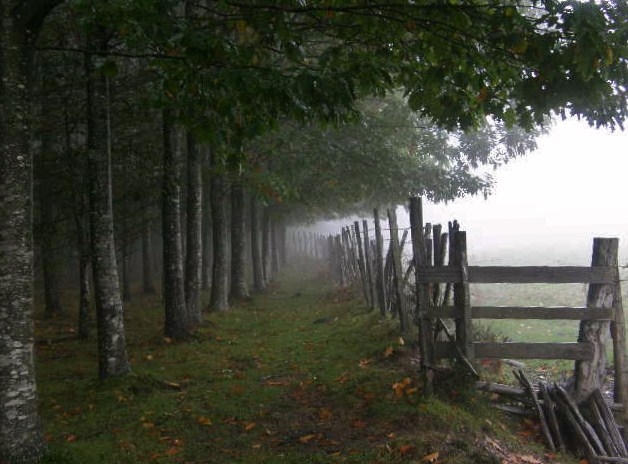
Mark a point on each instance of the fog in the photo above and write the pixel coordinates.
(547, 206)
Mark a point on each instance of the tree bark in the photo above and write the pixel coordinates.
(239, 288)
(49, 257)
(177, 324)
(219, 300)
(589, 375)
(21, 438)
(112, 357)
(193, 257)
(147, 264)
(267, 245)
(259, 283)
(206, 263)
(127, 294)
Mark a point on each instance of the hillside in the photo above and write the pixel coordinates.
(301, 374)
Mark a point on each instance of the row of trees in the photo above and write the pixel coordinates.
(278, 111)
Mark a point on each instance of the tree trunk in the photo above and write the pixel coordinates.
(21, 438)
(84, 312)
(239, 288)
(50, 263)
(127, 294)
(220, 273)
(589, 375)
(267, 245)
(177, 324)
(259, 282)
(193, 258)
(147, 263)
(112, 357)
(206, 262)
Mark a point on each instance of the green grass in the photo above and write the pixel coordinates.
(301, 374)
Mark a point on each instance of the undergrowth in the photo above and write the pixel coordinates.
(301, 374)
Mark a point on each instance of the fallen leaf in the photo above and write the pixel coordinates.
(529, 460)
(171, 451)
(401, 341)
(204, 420)
(433, 457)
(325, 413)
(70, 438)
(364, 363)
(358, 424)
(307, 438)
(406, 449)
(388, 352)
(249, 426)
(168, 340)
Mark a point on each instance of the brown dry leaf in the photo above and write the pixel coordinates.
(406, 449)
(171, 451)
(70, 438)
(364, 363)
(175, 385)
(204, 420)
(358, 424)
(168, 340)
(433, 457)
(401, 341)
(148, 425)
(249, 426)
(325, 413)
(529, 460)
(307, 438)
(388, 352)
(277, 383)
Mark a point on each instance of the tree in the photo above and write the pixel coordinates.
(112, 357)
(381, 158)
(21, 437)
(177, 324)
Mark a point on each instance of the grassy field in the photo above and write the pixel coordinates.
(301, 374)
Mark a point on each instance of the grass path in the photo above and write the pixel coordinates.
(301, 374)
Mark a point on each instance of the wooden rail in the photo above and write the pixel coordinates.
(519, 274)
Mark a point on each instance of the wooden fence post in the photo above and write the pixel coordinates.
(589, 375)
(404, 325)
(422, 294)
(369, 263)
(462, 298)
(380, 286)
(361, 262)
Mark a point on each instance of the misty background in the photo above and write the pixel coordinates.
(546, 207)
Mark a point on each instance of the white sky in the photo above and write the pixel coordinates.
(572, 188)
(547, 206)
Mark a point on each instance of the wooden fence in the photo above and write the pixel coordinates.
(440, 292)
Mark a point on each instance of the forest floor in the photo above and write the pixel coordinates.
(301, 374)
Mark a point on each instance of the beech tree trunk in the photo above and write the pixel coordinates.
(239, 288)
(148, 286)
(267, 245)
(177, 323)
(206, 262)
(193, 257)
(219, 300)
(49, 257)
(21, 438)
(127, 294)
(112, 356)
(259, 282)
